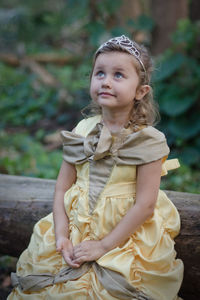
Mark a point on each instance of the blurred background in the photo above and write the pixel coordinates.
(46, 50)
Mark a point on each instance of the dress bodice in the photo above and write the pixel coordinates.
(99, 156)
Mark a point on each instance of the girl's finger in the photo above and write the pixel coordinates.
(77, 248)
(78, 252)
(70, 262)
(58, 248)
(81, 259)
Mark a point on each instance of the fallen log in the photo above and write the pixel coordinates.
(46, 77)
(24, 200)
(53, 58)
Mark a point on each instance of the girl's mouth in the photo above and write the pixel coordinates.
(105, 94)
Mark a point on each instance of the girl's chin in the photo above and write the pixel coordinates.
(106, 102)
(111, 107)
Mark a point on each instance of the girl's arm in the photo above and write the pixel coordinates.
(147, 187)
(66, 177)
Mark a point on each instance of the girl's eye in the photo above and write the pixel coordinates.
(100, 74)
(118, 75)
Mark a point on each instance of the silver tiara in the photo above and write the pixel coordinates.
(125, 43)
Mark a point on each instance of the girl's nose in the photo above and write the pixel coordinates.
(106, 82)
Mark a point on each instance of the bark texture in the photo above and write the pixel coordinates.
(166, 14)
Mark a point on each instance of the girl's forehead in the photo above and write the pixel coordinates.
(115, 59)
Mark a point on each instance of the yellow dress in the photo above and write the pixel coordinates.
(147, 260)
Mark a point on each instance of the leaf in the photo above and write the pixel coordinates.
(168, 67)
(189, 155)
(186, 34)
(143, 23)
(117, 31)
(108, 6)
(186, 126)
(23, 155)
(175, 102)
(96, 30)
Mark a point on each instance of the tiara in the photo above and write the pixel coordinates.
(125, 43)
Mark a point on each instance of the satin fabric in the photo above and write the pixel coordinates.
(112, 281)
(147, 260)
(103, 151)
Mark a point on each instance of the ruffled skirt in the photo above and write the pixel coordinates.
(147, 260)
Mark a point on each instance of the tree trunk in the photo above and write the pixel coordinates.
(166, 14)
(25, 200)
(130, 9)
(194, 10)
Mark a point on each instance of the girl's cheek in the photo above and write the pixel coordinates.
(94, 88)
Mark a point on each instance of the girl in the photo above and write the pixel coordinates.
(114, 229)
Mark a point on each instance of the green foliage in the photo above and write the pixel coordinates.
(7, 263)
(186, 36)
(55, 27)
(177, 91)
(168, 66)
(22, 104)
(25, 101)
(183, 179)
(22, 155)
(143, 23)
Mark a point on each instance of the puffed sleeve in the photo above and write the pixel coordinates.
(73, 151)
(143, 146)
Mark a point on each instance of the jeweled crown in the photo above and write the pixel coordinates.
(125, 43)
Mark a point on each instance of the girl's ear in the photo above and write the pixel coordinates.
(142, 91)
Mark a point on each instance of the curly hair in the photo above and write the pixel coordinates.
(145, 111)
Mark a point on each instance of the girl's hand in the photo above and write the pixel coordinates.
(88, 251)
(65, 247)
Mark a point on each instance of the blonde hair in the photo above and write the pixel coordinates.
(145, 111)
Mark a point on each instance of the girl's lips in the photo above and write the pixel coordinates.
(105, 94)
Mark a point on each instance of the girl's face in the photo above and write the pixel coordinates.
(115, 82)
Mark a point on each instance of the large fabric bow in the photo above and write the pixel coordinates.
(102, 151)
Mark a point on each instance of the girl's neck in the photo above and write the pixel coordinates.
(115, 121)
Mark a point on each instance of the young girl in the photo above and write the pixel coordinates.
(112, 229)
